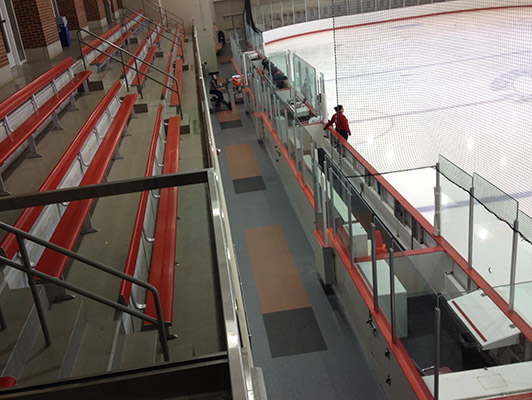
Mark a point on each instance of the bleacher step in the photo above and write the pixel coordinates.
(23, 327)
(185, 123)
(96, 349)
(178, 351)
(66, 322)
(139, 350)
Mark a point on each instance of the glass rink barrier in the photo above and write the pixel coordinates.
(450, 297)
(279, 13)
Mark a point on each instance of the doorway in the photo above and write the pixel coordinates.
(10, 34)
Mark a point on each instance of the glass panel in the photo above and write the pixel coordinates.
(495, 200)
(276, 14)
(299, 6)
(305, 81)
(277, 60)
(318, 193)
(307, 159)
(455, 185)
(312, 10)
(288, 19)
(339, 198)
(492, 246)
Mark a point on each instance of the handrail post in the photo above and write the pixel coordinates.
(38, 305)
(161, 325)
(81, 49)
(138, 79)
(178, 95)
(124, 70)
(3, 324)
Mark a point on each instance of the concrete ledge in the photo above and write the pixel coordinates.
(39, 53)
(74, 32)
(185, 124)
(5, 75)
(98, 24)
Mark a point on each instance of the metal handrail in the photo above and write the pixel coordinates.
(26, 267)
(241, 378)
(121, 61)
(156, 7)
(152, 21)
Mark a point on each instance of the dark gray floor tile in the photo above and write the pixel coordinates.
(246, 185)
(293, 332)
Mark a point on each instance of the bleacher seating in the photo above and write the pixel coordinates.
(142, 53)
(162, 268)
(144, 68)
(144, 228)
(26, 112)
(155, 222)
(84, 155)
(174, 68)
(135, 23)
(97, 52)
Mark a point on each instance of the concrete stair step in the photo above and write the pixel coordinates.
(139, 350)
(97, 347)
(178, 351)
(66, 322)
(23, 327)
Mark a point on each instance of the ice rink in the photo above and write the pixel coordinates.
(459, 85)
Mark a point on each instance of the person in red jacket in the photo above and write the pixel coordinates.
(340, 121)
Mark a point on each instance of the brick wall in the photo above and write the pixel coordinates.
(94, 10)
(3, 55)
(74, 11)
(36, 22)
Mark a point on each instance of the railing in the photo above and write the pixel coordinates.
(150, 21)
(124, 64)
(352, 201)
(26, 267)
(163, 13)
(237, 332)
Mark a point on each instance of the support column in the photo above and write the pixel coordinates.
(95, 12)
(38, 29)
(115, 9)
(74, 11)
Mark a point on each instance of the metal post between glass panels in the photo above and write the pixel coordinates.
(515, 243)
(437, 316)
(332, 218)
(470, 237)
(393, 320)
(350, 222)
(324, 207)
(301, 153)
(282, 13)
(284, 141)
(374, 268)
(437, 203)
(306, 16)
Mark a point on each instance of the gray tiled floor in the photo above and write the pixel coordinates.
(339, 372)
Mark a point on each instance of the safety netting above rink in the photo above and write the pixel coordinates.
(452, 78)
